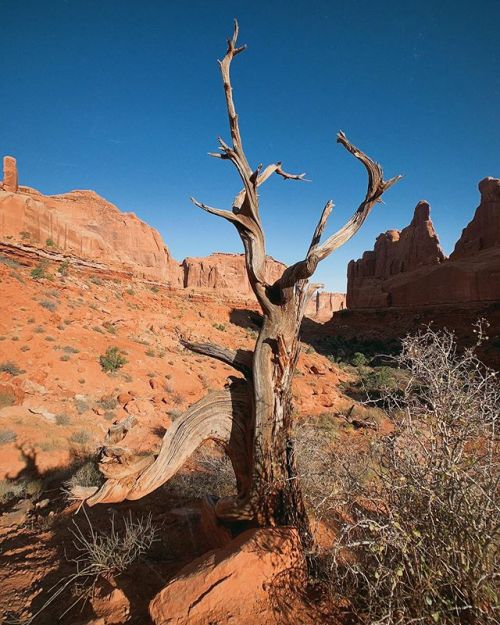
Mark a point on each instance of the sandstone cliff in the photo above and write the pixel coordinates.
(224, 273)
(84, 226)
(409, 269)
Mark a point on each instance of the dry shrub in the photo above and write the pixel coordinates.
(209, 472)
(102, 554)
(418, 540)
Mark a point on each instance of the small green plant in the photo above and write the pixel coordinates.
(10, 367)
(40, 271)
(81, 405)
(130, 291)
(9, 262)
(48, 305)
(87, 474)
(50, 242)
(219, 326)
(359, 359)
(108, 403)
(65, 357)
(6, 399)
(112, 360)
(63, 268)
(10, 489)
(25, 235)
(150, 353)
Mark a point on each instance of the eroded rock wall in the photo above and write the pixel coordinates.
(409, 269)
(86, 226)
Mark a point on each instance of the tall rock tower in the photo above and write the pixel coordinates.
(10, 178)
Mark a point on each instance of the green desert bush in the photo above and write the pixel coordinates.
(40, 271)
(63, 268)
(82, 437)
(6, 399)
(49, 305)
(10, 367)
(359, 359)
(112, 360)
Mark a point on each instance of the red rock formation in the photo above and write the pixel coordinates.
(10, 180)
(224, 273)
(252, 581)
(324, 304)
(408, 269)
(85, 226)
(395, 252)
(483, 231)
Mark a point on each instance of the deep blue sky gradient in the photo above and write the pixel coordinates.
(125, 98)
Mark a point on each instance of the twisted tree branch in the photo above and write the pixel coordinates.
(241, 359)
(304, 269)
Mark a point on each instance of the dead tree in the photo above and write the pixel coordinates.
(252, 418)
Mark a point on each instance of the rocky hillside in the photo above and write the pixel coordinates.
(408, 269)
(82, 227)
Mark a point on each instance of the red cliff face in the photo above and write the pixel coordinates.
(408, 268)
(224, 273)
(83, 225)
(483, 232)
(394, 253)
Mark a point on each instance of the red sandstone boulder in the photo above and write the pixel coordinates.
(251, 581)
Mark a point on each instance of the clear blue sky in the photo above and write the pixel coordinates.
(124, 97)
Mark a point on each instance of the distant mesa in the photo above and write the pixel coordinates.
(85, 226)
(408, 269)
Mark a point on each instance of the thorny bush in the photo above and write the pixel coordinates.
(418, 516)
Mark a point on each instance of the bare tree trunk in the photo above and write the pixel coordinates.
(252, 419)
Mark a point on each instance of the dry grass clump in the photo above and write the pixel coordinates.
(86, 475)
(103, 553)
(111, 552)
(418, 525)
(210, 473)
